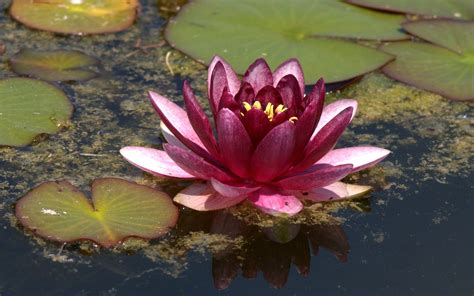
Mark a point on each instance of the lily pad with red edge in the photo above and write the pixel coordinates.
(57, 65)
(311, 30)
(75, 17)
(445, 66)
(456, 9)
(30, 107)
(118, 210)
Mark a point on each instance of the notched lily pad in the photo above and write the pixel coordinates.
(75, 17)
(241, 31)
(119, 209)
(458, 9)
(445, 67)
(58, 65)
(29, 107)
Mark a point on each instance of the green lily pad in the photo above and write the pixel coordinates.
(241, 31)
(459, 9)
(29, 107)
(119, 209)
(75, 17)
(58, 65)
(445, 67)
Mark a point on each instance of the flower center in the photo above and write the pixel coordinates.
(269, 110)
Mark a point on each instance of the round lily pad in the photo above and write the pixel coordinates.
(459, 9)
(119, 209)
(242, 31)
(29, 107)
(445, 67)
(58, 65)
(75, 16)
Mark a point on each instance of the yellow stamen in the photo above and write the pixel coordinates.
(270, 110)
(280, 109)
(293, 119)
(247, 106)
(257, 105)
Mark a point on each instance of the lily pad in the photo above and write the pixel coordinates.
(459, 9)
(242, 31)
(119, 209)
(445, 67)
(75, 17)
(29, 107)
(58, 65)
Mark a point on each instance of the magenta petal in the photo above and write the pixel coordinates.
(234, 143)
(290, 67)
(271, 202)
(154, 161)
(257, 124)
(258, 75)
(360, 157)
(319, 175)
(307, 122)
(274, 153)
(268, 94)
(202, 197)
(334, 191)
(227, 101)
(229, 190)
(177, 121)
(232, 78)
(218, 83)
(195, 165)
(245, 94)
(290, 93)
(169, 137)
(324, 140)
(331, 110)
(199, 120)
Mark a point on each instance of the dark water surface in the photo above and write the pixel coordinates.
(417, 238)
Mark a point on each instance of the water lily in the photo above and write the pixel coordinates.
(273, 144)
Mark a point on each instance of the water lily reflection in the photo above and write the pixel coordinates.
(265, 252)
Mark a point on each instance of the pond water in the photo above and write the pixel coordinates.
(414, 236)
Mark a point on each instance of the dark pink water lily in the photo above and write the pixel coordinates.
(274, 145)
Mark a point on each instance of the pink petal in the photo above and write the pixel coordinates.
(331, 110)
(325, 140)
(274, 153)
(202, 197)
(195, 165)
(232, 78)
(307, 122)
(360, 157)
(218, 84)
(199, 120)
(177, 121)
(269, 94)
(258, 75)
(293, 67)
(234, 143)
(245, 94)
(153, 161)
(271, 202)
(229, 190)
(169, 137)
(316, 176)
(335, 191)
(290, 93)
